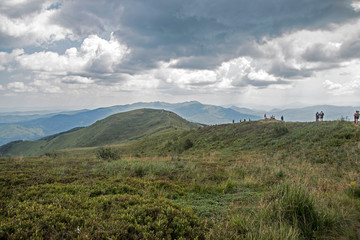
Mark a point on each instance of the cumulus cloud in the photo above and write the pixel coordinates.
(231, 74)
(29, 28)
(181, 46)
(94, 55)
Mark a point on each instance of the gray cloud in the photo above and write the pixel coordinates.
(216, 30)
(351, 49)
(19, 9)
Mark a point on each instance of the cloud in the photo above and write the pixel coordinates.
(77, 80)
(94, 55)
(46, 87)
(6, 59)
(342, 88)
(202, 33)
(32, 27)
(231, 74)
(356, 5)
(19, 87)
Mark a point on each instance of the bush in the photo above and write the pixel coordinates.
(107, 154)
(187, 144)
(296, 206)
(280, 130)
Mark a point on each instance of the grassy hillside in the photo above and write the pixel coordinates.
(317, 141)
(49, 124)
(252, 180)
(115, 129)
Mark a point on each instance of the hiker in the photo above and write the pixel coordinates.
(321, 116)
(317, 115)
(356, 117)
(282, 118)
(233, 121)
(272, 117)
(265, 116)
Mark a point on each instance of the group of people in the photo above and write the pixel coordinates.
(319, 116)
(241, 120)
(272, 117)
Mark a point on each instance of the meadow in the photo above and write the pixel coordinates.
(254, 180)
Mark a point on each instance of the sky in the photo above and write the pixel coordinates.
(74, 54)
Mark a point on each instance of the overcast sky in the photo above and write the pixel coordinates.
(90, 53)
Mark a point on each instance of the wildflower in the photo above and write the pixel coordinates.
(352, 183)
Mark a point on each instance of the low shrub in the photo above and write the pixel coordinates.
(107, 153)
(296, 206)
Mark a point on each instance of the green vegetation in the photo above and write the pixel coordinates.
(118, 128)
(254, 180)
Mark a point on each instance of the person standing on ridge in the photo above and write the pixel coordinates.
(265, 116)
(356, 117)
(282, 118)
(322, 116)
(317, 116)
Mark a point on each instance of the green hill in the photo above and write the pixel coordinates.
(316, 141)
(168, 180)
(118, 128)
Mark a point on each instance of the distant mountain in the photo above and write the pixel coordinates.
(115, 129)
(306, 114)
(39, 126)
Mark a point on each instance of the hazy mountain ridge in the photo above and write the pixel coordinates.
(35, 126)
(48, 125)
(115, 129)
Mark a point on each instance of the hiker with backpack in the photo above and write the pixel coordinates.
(317, 115)
(321, 115)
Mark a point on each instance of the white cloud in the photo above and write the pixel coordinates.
(356, 5)
(342, 88)
(7, 58)
(94, 55)
(305, 52)
(77, 80)
(262, 76)
(20, 87)
(33, 28)
(46, 87)
(229, 75)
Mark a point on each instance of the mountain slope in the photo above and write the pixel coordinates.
(321, 142)
(191, 111)
(115, 129)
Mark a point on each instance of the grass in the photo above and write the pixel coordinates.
(255, 180)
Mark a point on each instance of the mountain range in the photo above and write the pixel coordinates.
(35, 126)
(115, 129)
(32, 126)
